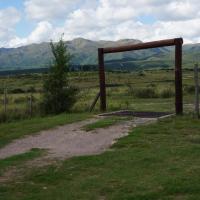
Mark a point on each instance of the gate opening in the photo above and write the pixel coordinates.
(177, 42)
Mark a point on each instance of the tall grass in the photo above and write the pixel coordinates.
(150, 92)
(130, 91)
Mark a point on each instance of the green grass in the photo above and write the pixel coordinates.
(106, 122)
(19, 159)
(15, 130)
(119, 97)
(155, 162)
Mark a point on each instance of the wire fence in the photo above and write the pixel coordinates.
(18, 106)
(20, 97)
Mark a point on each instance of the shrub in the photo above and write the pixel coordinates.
(141, 73)
(59, 96)
(167, 93)
(147, 92)
(151, 85)
(17, 91)
(58, 103)
(13, 114)
(190, 89)
(1, 90)
(31, 90)
(20, 100)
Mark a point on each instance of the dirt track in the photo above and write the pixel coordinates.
(71, 140)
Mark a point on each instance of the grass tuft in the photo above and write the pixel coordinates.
(106, 122)
(19, 159)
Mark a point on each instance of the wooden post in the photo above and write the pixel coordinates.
(178, 42)
(102, 80)
(5, 101)
(178, 77)
(94, 102)
(196, 80)
(31, 105)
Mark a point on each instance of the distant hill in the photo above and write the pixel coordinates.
(85, 53)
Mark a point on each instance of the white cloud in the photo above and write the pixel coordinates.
(109, 19)
(163, 10)
(8, 19)
(118, 19)
(42, 33)
(49, 10)
(179, 10)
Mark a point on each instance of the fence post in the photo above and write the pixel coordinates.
(94, 102)
(31, 105)
(178, 76)
(102, 80)
(5, 101)
(196, 80)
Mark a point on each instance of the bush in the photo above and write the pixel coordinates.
(55, 104)
(151, 85)
(58, 96)
(17, 91)
(190, 89)
(141, 73)
(1, 90)
(167, 93)
(14, 114)
(148, 92)
(20, 100)
(31, 90)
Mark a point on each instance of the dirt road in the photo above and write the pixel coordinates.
(71, 140)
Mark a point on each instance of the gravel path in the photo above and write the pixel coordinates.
(71, 140)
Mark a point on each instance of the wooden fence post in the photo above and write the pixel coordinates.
(102, 80)
(178, 76)
(31, 105)
(5, 101)
(94, 102)
(196, 80)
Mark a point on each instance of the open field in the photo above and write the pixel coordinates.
(146, 90)
(157, 161)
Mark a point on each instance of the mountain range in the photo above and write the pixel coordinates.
(85, 53)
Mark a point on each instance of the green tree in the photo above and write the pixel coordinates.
(58, 96)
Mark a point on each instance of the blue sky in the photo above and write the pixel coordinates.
(24, 27)
(33, 21)
(15, 3)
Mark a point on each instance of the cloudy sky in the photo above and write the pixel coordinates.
(33, 21)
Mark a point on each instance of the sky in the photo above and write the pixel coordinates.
(25, 22)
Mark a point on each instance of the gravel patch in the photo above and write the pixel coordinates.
(71, 140)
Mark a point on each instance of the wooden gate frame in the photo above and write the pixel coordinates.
(177, 42)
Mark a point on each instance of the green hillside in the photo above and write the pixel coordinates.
(85, 52)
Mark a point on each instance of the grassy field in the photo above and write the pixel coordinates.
(157, 161)
(146, 90)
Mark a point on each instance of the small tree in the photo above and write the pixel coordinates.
(58, 95)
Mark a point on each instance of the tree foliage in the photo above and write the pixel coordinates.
(59, 96)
